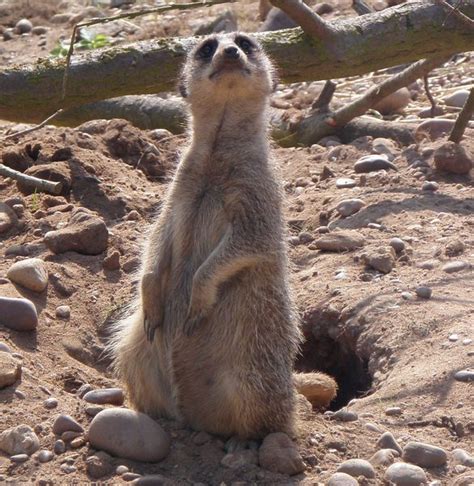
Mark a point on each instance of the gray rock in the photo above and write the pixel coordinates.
(39, 30)
(23, 26)
(456, 266)
(393, 411)
(397, 244)
(371, 163)
(63, 312)
(428, 264)
(384, 146)
(279, 454)
(381, 259)
(465, 376)
(237, 459)
(453, 158)
(99, 465)
(457, 99)
(401, 474)
(340, 241)
(460, 456)
(153, 480)
(68, 468)
(434, 128)
(383, 457)
(93, 410)
(430, 186)
(59, 447)
(357, 467)
(131, 476)
(129, 434)
(342, 479)
(113, 396)
(19, 440)
(65, 423)
(344, 415)
(349, 207)
(50, 403)
(387, 441)
(423, 292)
(18, 314)
(10, 370)
(121, 470)
(8, 218)
(345, 183)
(45, 456)
(19, 458)
(424, 455)
(30, 273)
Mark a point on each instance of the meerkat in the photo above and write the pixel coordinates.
(214, 334)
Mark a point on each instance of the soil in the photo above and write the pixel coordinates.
(385, 346)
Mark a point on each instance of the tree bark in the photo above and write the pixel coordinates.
(397, 35)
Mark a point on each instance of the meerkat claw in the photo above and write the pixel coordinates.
(149, 329)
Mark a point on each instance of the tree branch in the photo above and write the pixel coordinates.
(38, 184)
(463, 119)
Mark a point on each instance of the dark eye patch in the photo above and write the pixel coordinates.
(245, 44)
(207, 50)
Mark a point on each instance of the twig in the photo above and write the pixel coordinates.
(325, 97)
(39, 184)
(309, 21)
(360, 7)
(429, 95)
(456, 12)
(463, 119)
(36, 127)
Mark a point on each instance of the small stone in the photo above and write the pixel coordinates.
(279, 454)
(467, 341)
(349, 207)
(10, 370)
(456, 266)
(39, 30)
(453, 338)
(453, 158)
(63, 312)
(428, 264)
(430, 186)
(383, 457)
(357, 467)
(342, 479)
(93, 410)
(457, 99)
(83, 389)
(19, 394)
(99, 465)
(237, 459)
(65, 423)
(113, 396)
(465, 376)
(4, 348)
(397, 244)
(345, 183)
(158, 134)
(305, 237)
(45, 456)
(407, 296)
(68, 468)
(59, 447)
(129, 434)
(50, 403)
(371, 163)
(434, 128)
(112, 261)
(401, 474)
(423, 292)
(381, 259)
(60, 18)
(70, 435)
(460, 456)
(23, 26)
(337, 241)
(19, 440)
(372, 427)
(393, 411)
(387, 441)
(121, 470)
(133, 215)
(424, 455)
(344, 415)
(454, 248)
(18, 314)
(394, 102)
(30, 273)
(155, 480)
(77, 442)
(131, 476)
(19, 458)
(201, 438)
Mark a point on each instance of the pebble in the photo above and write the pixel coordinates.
(4, 348)
(157, 480)
(18, 314)
(423, 292)
(112, 261)
(131, 476)
(342, 479)
(465, 376)
(372, 427)
(113, 396)
(18, 458)
(29, 273)
(460, 456)
(338, 241)
(424, 455)
(466, 341)
(345, 183)
(83, 389)
(457, 99)
(99, 465)
(428, 264)
(371, 163)
(59, 447)
(456, 266)
(357, 467)
(397, 244)
(344, 415)
(401, 474)
(50, 403)
(464, 480)
(19, 440)
(68, 468)
(39, 30)
(70, 435)
(349, 207)
(10, 370)
(453, 338)
(279, 454)
(65, 423)
(393, 411)
(387, 441)
(63, 312)
(45, 455)
(23, 26)
(430, 186)
(434, 128)
(93, 410)
(383, 457)
(381, 259)
(19, 394)
(237, 459)
(129, 434)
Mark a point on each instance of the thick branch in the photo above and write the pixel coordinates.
(463, 119)
(401, 34)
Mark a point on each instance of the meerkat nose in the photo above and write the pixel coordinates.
(232, 52)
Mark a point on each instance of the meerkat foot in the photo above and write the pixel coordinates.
(235, 444)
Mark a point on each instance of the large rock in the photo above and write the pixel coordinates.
(8, 218)
(30, 273)
(19, 440)
(457, 99)
(453, 158)
(10, 370)
(279, 454)
(424, 455)
(340, 241)
(129, 434)
(401, 474)
(18, 314)
(85, 233)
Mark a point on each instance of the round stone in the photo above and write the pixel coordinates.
(401, 474)
(423, 292)
(18, 314)
(357, 467)
(457, 99)
(424, 455)
(113, 396)
(349, 206)
(4, 348)
(345, 183)
(50, 403)
(456, 266)
(279, 454)
(65, 423)
(430, 186)
(63, 312)
(129, 434)
(345, 415)
(18, 458)
(371, 163)
(23, 26)
(45, 456)
(460, 456)
(30, 273)
(464, 375)
(59, 447)
(397, 244)
(342, 479)
(383, 457)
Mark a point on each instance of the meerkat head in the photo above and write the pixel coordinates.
(227, 66)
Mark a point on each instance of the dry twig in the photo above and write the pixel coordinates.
(38, 184)
(429, 95)
(463, 119)
(36, 127)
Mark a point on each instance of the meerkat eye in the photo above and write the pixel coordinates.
(244, 44)
(208, 49)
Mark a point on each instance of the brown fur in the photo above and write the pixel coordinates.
(214, 336)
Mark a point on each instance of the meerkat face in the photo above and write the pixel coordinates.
(230, 65)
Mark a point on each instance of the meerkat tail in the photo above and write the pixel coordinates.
(318, 388)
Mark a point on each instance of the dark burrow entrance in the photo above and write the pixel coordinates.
(337, 359)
